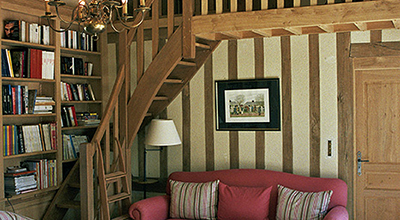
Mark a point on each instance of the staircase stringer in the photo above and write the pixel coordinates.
(155, 75)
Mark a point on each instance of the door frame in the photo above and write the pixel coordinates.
(349, 57)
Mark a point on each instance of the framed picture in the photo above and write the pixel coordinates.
(248, 104)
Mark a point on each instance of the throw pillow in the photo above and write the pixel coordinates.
(194, 200)
(5, 215)
(240, 203)
(293, 204)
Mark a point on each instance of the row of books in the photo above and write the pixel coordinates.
(27, 63)
(76, 66)
(20, 181)
(77, 92)
(46, 171)
(87, 118)
(27, 32)
(18, 99)
(78, 40)
(19, 139)
(71, 145)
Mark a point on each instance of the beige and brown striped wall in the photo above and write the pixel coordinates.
(309, 69)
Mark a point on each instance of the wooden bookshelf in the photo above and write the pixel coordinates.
(32, 12)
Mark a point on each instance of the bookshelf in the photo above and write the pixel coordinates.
(33, 204)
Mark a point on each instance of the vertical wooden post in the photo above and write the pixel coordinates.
(155, 38)
(86, 152)
(259, 74)
(233, 74)
(140, 52)
(315, 115)
(188, 44)
(170, 17)
(124, 60)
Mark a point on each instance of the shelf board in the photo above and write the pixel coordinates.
(80, 102)
(30, 115)
(65, 76)
(15, 79)
(77, 51)
(33, 193)
(15, 43)
(79, 127)
(30, 154)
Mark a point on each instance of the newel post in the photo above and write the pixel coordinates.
(86, 181)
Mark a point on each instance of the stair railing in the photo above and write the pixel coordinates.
(101, 142)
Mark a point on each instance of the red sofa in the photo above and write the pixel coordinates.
(157, 208)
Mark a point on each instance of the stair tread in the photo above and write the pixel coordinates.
(69, 205)
(187, 63)
(115, 175)
(161, 98)
(118, 197)
(122, 217)
(201, 45)
(74, 185)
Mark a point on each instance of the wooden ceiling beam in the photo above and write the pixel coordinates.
(333, 14)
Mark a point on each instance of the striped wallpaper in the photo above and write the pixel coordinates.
(307, 68)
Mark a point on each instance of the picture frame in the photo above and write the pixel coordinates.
(248, 105)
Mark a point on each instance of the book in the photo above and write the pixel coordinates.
(5, 71)
(9, 63)
(16, 169)
(12, 29)
(18, 62)
(22, 173)
(31, 100)
(47, 65)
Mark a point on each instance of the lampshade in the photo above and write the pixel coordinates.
(162, 132)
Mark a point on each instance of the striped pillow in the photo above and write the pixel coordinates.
(4, 215)
(293, 204)
(194, 200)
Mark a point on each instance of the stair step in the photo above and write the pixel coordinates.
(149, 114)
(114, 176)
(187, 63)
(205, 46)
(69, 205)
(161, 98)
(122, 217)
(178, 81)
(74, 185)
(118, 197)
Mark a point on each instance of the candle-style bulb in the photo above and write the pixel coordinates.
(47, 7)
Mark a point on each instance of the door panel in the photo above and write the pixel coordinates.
(377, 129)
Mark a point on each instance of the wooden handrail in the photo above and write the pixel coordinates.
(105, 121)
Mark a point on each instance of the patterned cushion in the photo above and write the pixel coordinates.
(4, 215)
(293, 204)
(241, 202)
(194, 200)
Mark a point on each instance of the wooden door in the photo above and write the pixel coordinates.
(377, 137)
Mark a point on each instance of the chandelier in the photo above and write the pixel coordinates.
(94, 16)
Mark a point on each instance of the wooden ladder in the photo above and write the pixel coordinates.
(118, 178)
(65, 197)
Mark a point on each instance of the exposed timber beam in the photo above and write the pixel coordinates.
(333, 14)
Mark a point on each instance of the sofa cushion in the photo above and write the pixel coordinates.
(293, 204)
(194, 200)
(5, 215)
(240, 202)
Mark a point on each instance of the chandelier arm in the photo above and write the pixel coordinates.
(73, 16)
(61, 30)
(112, 23)
(135, 25)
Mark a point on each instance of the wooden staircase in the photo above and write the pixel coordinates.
(121, 193)
(65, 197)
(164, 79)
